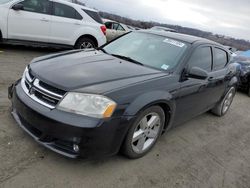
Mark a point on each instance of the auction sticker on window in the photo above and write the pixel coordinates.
(174, 42)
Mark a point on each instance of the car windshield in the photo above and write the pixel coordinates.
(5, 1)
(148, 49)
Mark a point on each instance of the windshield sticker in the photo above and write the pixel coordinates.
(174, 42)
(164, 67)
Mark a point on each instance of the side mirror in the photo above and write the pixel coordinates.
(198, 73)
(17, 7)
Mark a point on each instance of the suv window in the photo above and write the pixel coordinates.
(120, 28)
(66, 11)
(39, 6)
(220, 59)
(115, 26)
(202, 58)
(94, 15)
(108, 25)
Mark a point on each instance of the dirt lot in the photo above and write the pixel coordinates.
(205, 152)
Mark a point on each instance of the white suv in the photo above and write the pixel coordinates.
(50, 22)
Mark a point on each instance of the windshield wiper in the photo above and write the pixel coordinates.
(127, 59)
(103, 50)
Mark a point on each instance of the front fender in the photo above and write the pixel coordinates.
(148, 99)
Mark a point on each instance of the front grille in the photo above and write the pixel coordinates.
(41, 92)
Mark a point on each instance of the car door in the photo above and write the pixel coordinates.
(194, 94)
(218, 76)
(111, 30)
(65, 21)
(32, 23)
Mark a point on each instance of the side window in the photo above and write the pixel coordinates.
(38, 6)
(120, 28)
(65, 11)
(115, 26)
(108, 25)
(202, 58)
(220, 59)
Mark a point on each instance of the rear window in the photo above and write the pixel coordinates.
(65, 11)
(94, 15)
(220, 59)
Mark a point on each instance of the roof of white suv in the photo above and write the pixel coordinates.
(68, 2)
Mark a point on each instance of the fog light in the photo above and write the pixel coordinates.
(75, 147)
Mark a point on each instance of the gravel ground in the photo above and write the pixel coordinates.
(205, 152)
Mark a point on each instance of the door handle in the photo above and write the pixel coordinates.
(77, 23)
(44, 20)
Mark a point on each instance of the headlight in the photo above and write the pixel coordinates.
(88, 104)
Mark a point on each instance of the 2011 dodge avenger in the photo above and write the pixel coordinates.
(124, 95)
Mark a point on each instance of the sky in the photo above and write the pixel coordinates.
(227, 17)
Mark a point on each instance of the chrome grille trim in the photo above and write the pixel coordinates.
(51, 94)
(32, 96)
(38, 93)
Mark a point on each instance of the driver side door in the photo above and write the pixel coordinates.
(32, 22)
(194, 94)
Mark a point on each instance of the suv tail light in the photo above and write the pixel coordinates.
(104, 29)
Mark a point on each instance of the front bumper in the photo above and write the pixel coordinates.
(60, 131)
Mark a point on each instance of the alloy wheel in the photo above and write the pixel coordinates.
(146, 132)
(228, 101)
(86, 45)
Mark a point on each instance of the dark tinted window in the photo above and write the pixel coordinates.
(94, 15)
(220, 59)
(65, 11)
(202, 58)
(108, 25)
(39, 6)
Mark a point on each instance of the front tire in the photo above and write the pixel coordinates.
(223, 106)
(144, 132)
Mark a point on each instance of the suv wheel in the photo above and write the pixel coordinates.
(85, 43)
(223, 106)
(144, 132)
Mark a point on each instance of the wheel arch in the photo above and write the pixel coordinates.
(87, 36)
(159, 98)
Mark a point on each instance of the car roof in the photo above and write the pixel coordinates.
(182, 37)
(68, 2)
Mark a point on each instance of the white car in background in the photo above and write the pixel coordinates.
(50, 23)
(115, 29)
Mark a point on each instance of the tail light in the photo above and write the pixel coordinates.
(104, 29)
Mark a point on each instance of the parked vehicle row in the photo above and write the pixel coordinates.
(123, 96)
(50, 22)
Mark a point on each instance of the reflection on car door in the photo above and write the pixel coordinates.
(194, 95)
(32, 23)
(65, 19)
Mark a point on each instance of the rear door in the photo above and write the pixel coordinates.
(218, 76)
(32, 23)
(65, 20)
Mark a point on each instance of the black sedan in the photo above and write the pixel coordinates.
(124, 95)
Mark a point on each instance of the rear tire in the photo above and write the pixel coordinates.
(223, 106)
(85, 43)
(144, 132)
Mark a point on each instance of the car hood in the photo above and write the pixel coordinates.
(76, 70)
